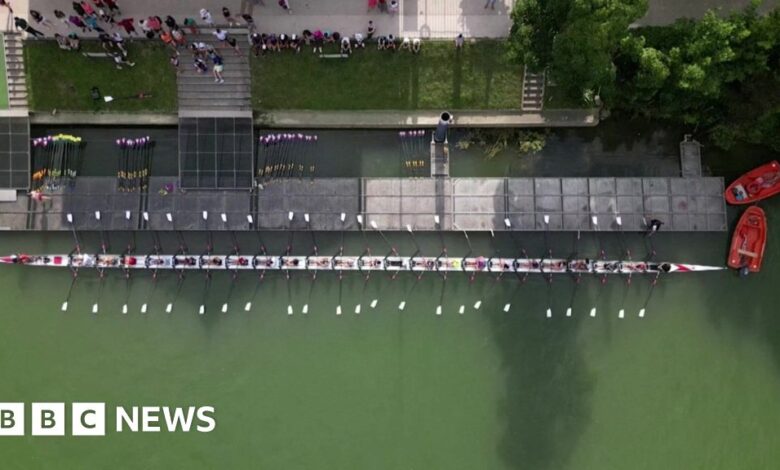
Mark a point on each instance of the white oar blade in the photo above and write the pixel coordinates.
(224, 308)
(357, 309)
(289, 310)
(248, 306)
(438, 310)
(642, 313)
(65, 306)
(169, 308)
(621, 313)
(305, 309)
(374, 302)
(549, 313)
(507, 307)
(94, 308)
(143, 308)
(201, 310)
(568, 312)
(477, 304)
(593, 312)
(462, 309)
(124, 309)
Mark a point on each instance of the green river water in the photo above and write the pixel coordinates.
(693, 384)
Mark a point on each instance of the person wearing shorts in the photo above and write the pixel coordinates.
(218, 68)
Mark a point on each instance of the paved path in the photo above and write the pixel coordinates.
(396, 119)
(423, 18)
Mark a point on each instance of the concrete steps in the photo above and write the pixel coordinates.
(15, 73)
(533, 91)
(199, 92)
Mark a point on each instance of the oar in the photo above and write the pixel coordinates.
(376, 227)
(649, 294)
(70, 290)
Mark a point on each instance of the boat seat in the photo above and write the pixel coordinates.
(747, 253)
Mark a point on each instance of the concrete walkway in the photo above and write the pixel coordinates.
(397, 119)
(415, 18)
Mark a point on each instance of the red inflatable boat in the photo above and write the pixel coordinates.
(755, 185)
(747, 244)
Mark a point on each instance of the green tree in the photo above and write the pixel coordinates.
(584, 49)
(535, 23)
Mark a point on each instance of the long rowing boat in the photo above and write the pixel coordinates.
(350, 263)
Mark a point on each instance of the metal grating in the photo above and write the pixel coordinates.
(216, 153)
(14, 153)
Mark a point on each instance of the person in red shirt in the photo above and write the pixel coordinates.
(127, 25)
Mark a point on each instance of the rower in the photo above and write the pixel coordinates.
(655, 225)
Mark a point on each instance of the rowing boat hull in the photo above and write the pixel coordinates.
(755, 185)
(185, 262)
(749, 240)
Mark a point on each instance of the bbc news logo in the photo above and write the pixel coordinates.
(89, 419)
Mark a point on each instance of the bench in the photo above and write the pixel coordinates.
(97, 55)
(334, 56)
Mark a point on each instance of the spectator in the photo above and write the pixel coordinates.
(228, 17)
(76, 21)
(113, 6)
(167, 39)
(416, 45)
(406, 44)
(295, 43)
(359, 42)
(318, 39)
(219, 66)
(307, 37)
(4, 3)
(346, 45)
(41, 20)
(170, 22)
(257, 43)
(371, 31)
(391, 45)
(74, 41)
(459, 41)
(250, 22)
(155, 23)
(174, 61)
(393, 8)
(92, 24)
(205, 15)
(221, 36)
(88, 10)
(284, 41)
(62, 41)
(200, 66)
(381, 43)
(178, 37)
(119, 42)
(192, 25)
(127, 25)
(99, 3)
(60, 15)
(492, 4)
(231, 41)
(78, 9)
(21, 23)
(285, 4)
(120, 60)
(383, 6)
(107, 18)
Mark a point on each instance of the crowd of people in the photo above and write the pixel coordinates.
(104, 18)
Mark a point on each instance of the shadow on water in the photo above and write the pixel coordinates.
(547, 389)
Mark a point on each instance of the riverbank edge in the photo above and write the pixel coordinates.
(381, 119)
